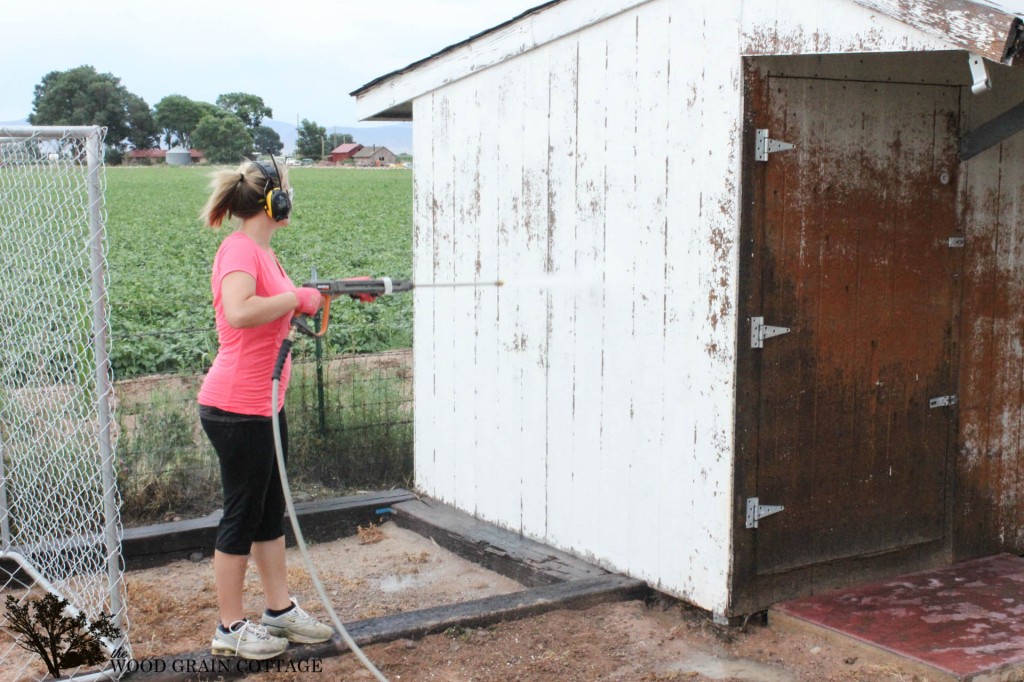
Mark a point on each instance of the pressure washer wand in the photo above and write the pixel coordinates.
(444, 285)
(383, 286)
(367, 289)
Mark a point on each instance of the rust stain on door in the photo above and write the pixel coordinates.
(855, 259)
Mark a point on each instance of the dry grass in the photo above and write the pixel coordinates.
(369, 534)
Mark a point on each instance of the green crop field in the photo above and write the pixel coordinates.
(345, 223)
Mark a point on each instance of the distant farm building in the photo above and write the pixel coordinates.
(149, 156)
(344, 152)
(374, 156)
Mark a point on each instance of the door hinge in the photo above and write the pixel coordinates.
(756, 511)
(759, 331)
(943, 401)
(764, 145)
(956, 242)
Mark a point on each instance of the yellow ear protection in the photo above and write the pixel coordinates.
(277, 201)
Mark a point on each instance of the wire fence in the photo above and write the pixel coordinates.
(59, 525)
(80, 454)
(349, 427)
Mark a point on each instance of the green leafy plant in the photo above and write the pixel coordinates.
(167, 465)
(62, 641)
(346, 223)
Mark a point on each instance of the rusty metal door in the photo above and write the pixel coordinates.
(860, 259)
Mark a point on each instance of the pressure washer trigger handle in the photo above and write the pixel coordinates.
(299, 324)
(325, 320)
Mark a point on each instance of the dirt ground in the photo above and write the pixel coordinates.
(401, 571)
(388, 570)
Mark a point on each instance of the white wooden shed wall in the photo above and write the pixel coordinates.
(590, 402)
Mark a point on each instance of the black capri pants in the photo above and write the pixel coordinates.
(254, 505)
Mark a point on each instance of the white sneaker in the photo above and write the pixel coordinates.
(297, 626)
(247, 640)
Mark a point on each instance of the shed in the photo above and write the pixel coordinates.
(374, 156)
(762, 328)
(344, 152)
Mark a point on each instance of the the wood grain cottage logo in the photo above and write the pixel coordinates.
(193, 666)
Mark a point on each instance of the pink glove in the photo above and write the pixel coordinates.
(309, 300)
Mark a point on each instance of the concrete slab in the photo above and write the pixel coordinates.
(962, 622)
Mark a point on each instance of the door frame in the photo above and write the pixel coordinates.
(750, 592)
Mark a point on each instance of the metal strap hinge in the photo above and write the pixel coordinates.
(756, 511)
(943, 401)
(763, 145)
(759, 331)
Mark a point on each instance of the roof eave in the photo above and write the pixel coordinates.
(417, 64)
(976, 28)
(399, 112)
(961, 24)
(389, 98)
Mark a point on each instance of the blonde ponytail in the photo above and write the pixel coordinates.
(233, 193)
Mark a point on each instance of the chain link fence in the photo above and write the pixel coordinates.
(60, 528)
(63, 494)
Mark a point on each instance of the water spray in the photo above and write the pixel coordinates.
(367, 290)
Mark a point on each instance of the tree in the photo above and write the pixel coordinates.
(249, 108)
(311, 140)
(177, 116)
(336, 139)
(81, 96)
(61, 641)
(144, 133)
(267, 141)
(223, 138)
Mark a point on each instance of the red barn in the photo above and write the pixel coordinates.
(344, 151)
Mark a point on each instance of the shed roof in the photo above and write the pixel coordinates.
(992, 28)
(367, 152)
(346, 148)
(444, 51)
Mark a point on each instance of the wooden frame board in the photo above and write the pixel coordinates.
(554, 579)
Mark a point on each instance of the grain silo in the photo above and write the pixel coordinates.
(179, 156)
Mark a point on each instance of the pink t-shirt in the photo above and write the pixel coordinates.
(239, 380)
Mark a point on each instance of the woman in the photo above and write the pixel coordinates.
(254, 301)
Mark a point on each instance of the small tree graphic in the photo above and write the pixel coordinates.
(61, 641)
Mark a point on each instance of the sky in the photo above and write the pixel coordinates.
(302, 57)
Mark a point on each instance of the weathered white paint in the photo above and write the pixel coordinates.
(976, 27)
(595, 414)
(826, 26)
(590, 402)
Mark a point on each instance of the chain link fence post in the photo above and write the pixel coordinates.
(60, 525)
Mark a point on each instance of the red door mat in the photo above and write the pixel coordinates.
(965, 619)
